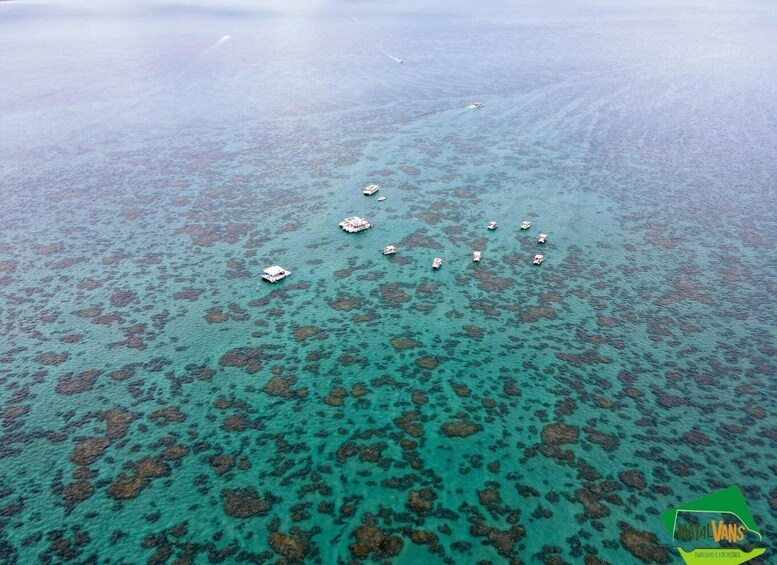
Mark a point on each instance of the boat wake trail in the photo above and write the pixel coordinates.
(392, 57)
(216, 45)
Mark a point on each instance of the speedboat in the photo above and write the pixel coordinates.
(437, 263)
(492, 225)
(390, 250)
(543, 238)
(476, 256)
(381, 198)
(525, 225)
(538, 259)
(475, 105)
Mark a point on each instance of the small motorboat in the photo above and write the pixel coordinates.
(381, 198)
(390, 250)
(475, 105)
(543, 238)
(492, 225)
(525, 225)
(476, 256)
(437, 263)
(538, 259)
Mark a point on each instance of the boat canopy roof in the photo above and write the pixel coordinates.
(275, 270)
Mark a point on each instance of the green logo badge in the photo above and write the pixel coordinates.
(714, 529)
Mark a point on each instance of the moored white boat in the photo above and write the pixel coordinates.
(492, 225)
(275, 273)
(437, 263)
(543, 238)
(371, 189)
(538, 259)
(389, 250)
(525, 225)
(476, 256)
(355, 224)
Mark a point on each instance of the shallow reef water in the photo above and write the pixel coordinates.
(160, 404)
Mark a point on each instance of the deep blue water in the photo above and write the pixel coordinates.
(159, 404)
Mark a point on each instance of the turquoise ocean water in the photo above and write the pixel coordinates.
(159, 404)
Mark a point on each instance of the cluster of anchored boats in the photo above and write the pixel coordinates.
(476, 255)
(356, 224)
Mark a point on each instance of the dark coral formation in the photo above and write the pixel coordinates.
(245, 503)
